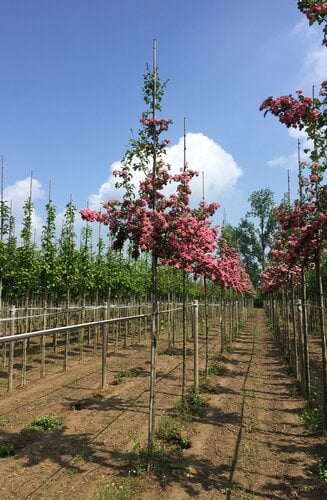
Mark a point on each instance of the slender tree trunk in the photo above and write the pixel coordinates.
(306, 367)
(322, 326)
(184, 336)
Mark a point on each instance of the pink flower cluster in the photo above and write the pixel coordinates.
(290, 111)
(316, 12)
(166, 225)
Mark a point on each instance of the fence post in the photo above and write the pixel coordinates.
(42, 342)
(12, 312)
(195, 334)
(104, 348)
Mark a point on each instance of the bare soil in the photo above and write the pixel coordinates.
(247, 443)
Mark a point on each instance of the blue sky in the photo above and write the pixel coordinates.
(70, 92)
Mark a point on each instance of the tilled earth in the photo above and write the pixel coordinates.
(248, 442)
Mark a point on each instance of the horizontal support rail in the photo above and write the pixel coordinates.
(63, 329)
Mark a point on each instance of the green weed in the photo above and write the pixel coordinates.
(170, 431)
(3, 422)
(139, 458)
(83, 454)
(321, 468)
(128, 373)
(295, 391)
(192, 405)
(118, 490)
(312, 417)
(206, 389)
(251, 428)
(6, 450)
(216, 369)
(45, 424)
(71, 470)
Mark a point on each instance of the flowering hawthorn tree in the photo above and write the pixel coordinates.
(303, 235)
(152, 221)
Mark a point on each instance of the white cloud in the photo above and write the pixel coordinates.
(313, 55)
(19, 192)
(315, 67)
(290, 161)
(221, 172)
(16, 195)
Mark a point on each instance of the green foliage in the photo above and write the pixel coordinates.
(67, 251)
(45, 423)
(170, 431)
(164, 460)
(6, 450)
(128, 373)
(312, 417)
(321, 468)
(118, 490)
(216, 369)
(206, 389)
(248, 248)
(192, 405)
(49, 278)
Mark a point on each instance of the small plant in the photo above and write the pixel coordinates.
(3, 422)
(251, 428)
(139, 459)
(170, 431)
(321, 468)
(118, 490)
(216, 369)
(6, 450)
(45, 424)
(206, 389)
(72, 470)
(312, 417)
(128, 373)
(83, 454)
(196, 404)
(193, 404)
(295, 391)
(182, 411)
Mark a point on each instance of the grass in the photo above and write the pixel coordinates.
(45, 423)
(124, 489)
(6, 450)
(3, 422)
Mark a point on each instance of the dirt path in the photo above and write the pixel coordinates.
(248, 443)
(251, 443)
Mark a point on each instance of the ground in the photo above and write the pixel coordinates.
(248, 442)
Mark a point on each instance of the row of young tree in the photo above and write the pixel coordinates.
(60, 268)
(297, 267)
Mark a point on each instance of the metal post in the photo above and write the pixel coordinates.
(12, 312)
(195, 334)
(104, 348)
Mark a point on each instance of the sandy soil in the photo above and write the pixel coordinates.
(247, 443)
